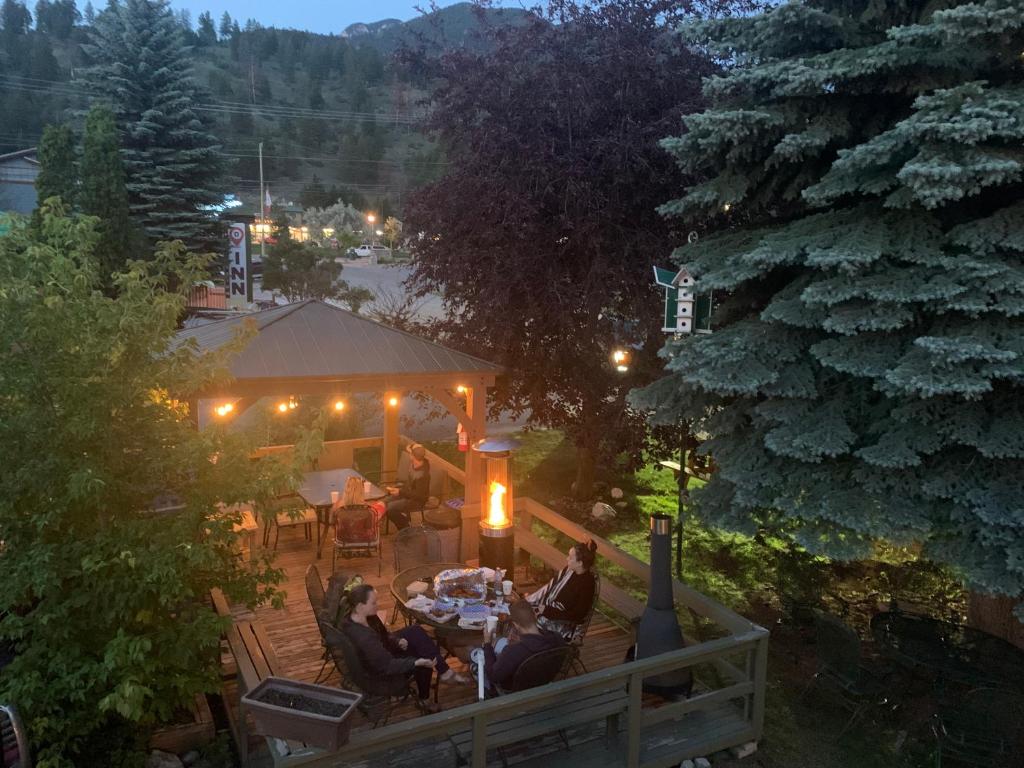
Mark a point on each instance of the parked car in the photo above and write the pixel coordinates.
(370, 250)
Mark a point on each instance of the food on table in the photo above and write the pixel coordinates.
(466, 584)
(417, 588)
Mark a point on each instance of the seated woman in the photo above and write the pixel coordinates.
(408, 652)
(353, 494)
(563, 603)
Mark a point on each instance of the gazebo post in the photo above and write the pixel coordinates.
(389, 447)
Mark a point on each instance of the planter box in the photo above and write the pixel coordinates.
(273, 718)
(182, 737)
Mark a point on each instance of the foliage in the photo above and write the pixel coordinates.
(541, 232)
(345, 220)
(392, 230)
(57, 173)
(301, 271)
(106, 603)
(103, 193)
(862, 238)
(395, 309)
(143, 71)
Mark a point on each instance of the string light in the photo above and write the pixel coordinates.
(224, 409)
(339, 405)
(393, 402)
(460, 389)
(282, 407)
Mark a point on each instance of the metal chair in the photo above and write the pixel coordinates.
(575, 658)
(318, 602)
(538, 669)
(416, 545)
(356, 529)
(14, 748)
(382, 694)
(984, 727)
(857, 686)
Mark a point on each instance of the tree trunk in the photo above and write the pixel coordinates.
(585, 469)
(994, 614)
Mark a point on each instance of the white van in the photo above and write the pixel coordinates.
(371, 250)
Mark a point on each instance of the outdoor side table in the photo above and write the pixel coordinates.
(447, 521)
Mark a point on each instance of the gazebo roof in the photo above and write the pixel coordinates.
(315, 341)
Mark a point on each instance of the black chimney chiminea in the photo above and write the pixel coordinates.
(658, 631)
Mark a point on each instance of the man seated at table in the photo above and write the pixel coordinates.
(503, 658)
(403, 501)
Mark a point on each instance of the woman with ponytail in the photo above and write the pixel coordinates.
(564, 602)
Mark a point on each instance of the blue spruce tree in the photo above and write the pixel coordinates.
(862, 229)
(173, 165)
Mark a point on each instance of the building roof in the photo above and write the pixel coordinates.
(314, 340)
(28, 154)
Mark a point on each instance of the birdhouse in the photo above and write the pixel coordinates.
(685, 310)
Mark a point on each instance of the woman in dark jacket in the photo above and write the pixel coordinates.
(564, 602)
(414, 494)
(410, 651)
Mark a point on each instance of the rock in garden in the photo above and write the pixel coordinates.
(616, 493)
(621, 504)
(190, 758)
(701, 762)
(686, 764)
(158, 759)
(602, 511)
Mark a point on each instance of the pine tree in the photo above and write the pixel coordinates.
(862, 232)
(56, 165)
(225, 25)
(90, 13)
(172, 163)
(15, 18)
(103, 192)
(206, 33)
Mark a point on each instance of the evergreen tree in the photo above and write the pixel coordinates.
(103, 192)
(90, 13)
(56, 165)
(207, 33)
(225, 25)
(15, 18)
(172, 163)
(861, 232)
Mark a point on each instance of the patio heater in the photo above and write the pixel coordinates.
(658, 631)
(497, 544)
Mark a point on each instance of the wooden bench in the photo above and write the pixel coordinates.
(255, 660)
(518, 725)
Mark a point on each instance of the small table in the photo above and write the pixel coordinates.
(316, 491)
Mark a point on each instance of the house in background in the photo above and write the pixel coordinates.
(18, 172)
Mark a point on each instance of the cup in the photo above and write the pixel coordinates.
(366, 487)
(334, 497)
(492, 624)
(506, 587)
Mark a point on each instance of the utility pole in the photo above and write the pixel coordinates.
(263, 214)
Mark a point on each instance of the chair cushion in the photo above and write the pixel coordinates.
(298, 517)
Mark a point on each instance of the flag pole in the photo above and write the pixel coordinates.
(263, 213)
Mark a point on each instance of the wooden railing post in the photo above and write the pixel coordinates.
(479, 741)
(634, 720)
(760, 684)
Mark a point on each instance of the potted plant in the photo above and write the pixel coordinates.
(315, 714)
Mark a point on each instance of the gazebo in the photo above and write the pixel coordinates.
(314, 348)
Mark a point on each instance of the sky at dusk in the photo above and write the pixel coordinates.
(321, 16)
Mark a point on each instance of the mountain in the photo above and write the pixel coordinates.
(453, 26)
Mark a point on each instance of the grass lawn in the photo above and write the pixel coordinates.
(743, 574)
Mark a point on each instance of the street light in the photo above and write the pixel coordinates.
(370, 218)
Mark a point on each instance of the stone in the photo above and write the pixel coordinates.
(158, 759)
(616, 493)
(602, 511)
(190, 758)
(621, 505)
(702, 762)
(686, 764)
(744, 750)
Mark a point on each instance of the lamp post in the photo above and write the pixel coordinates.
(370, 218)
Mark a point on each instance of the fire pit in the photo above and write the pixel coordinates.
(497, 543)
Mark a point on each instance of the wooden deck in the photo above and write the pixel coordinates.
(296, 640)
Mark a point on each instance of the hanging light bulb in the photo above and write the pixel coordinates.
(282, 407)
(460, 389)
(393, 402)
(339, 405)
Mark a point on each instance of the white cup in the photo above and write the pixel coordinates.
(367, 487)
(492, 623)
(334, 497)
(506, 587)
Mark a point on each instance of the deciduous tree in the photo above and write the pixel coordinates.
(862, 234)
(57, 174)
(542, 232)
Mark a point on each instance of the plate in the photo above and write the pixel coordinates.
(440, 619)
(468, 624)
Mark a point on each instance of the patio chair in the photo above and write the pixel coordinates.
(857, 686)
(356, 529)
(381, 694)
(318, 602)
(415, 546)
(286, 512)
(984, 727)
(574, 660)
(538, 669)
(14, 749)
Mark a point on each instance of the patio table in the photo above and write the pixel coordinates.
(947, 651)
(316, 491)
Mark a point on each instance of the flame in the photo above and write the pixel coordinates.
(496, 517)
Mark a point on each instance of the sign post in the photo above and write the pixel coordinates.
(239, 286)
